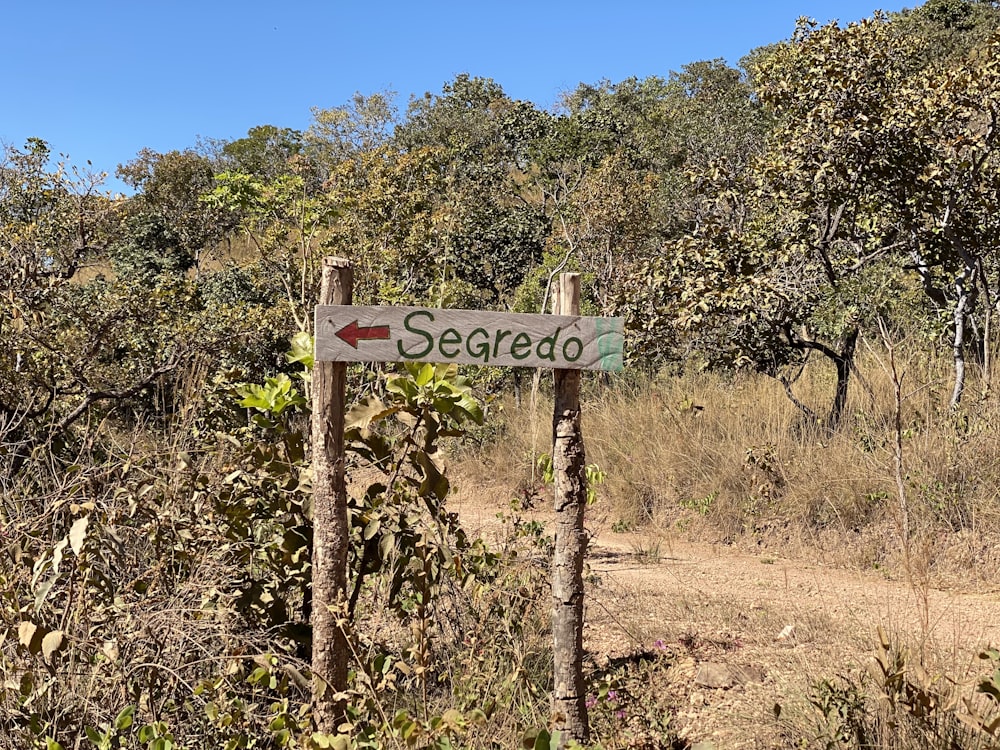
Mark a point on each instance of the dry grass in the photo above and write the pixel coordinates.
(732, 458)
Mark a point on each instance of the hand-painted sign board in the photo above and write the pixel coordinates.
(473, 337)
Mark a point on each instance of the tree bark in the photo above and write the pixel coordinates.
(958, 342)
(844, 362)
(330, 529)
(966, 293)
(569, 477)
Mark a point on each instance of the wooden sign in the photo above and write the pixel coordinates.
(471, 337)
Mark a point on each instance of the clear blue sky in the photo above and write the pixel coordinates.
(101, 79)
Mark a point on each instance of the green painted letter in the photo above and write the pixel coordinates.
(450, 337)
(480, 350)
(430, 339)
(566, 349)
(520, 347)
(549, 342)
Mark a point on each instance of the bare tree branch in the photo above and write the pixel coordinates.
(93, 396)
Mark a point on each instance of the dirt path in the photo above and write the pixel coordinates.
(747, 631)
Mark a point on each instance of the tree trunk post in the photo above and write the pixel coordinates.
(330, 530)
(570, 482)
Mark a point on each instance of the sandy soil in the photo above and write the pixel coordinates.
(750, 631)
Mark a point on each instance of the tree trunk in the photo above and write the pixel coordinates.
(330, 529)
(844, 362)
(569, 475)
(958, 342)
(966, 294)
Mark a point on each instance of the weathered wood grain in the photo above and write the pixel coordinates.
(330, 528)
(569, 474)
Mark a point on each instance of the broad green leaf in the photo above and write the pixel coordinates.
(535, 739)
(125, 718)
(95, 737)
(425, 376)
(443, 406)
(446, 371)
(402, 386)
(301, 350)
(372, 528)
(472, 408)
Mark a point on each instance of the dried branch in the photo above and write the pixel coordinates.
(93, 396)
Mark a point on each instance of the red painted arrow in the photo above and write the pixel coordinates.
(352, 333)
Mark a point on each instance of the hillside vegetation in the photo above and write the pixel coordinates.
(806, 254)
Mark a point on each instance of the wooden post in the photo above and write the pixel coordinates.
(330, 530)
(570, 480)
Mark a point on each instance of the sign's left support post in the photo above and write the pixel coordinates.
(330, 529)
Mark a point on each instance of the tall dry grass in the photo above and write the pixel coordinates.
(731, 458)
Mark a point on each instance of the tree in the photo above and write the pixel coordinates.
(339, 134)
(946, 31)
(285, 222)
(389, 223)
(876, 168)
(490, 233)
(614, 171)
(894, 161)
(770, 270)
(953, 117)
(267, 152)
(52, 221)
(167, 225)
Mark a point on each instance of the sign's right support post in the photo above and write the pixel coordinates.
(570, 482)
